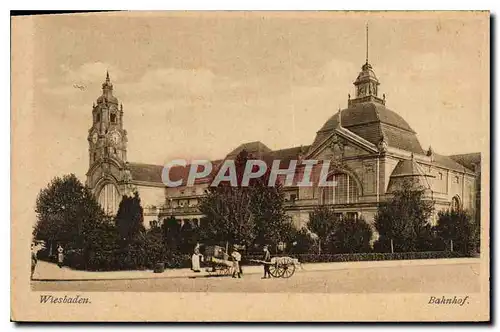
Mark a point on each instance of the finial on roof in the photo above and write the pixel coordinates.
(107, 76)
(429, 151)
(412, 156)
(349, 96)
(301, 152)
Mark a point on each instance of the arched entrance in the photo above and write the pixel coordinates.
(109, 198)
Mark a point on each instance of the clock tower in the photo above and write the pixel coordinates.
(107, 150)
(107, 138)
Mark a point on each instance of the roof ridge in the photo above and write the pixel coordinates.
(142, 164)
(464, 154)
(294, 147)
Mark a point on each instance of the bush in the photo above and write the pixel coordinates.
(43, 255)
(459, 228)
(74, 259)
(303, 243)
(155, 250)
(350, 236)
(176, 260)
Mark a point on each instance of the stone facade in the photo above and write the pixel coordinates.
(371, 149)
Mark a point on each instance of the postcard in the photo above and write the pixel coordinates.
(251, 166)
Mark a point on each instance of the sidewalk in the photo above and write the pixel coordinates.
(51, 272)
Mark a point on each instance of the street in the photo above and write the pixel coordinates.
(458, 278)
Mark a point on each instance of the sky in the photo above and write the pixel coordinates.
(198, 85)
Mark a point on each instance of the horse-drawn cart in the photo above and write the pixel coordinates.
(280, 267)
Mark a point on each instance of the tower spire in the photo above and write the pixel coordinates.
(366, 42)
(107, 76)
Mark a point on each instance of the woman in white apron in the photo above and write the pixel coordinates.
(195, 259)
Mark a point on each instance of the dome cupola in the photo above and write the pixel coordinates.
(366, 83)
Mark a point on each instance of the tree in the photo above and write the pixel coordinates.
(188, 237)
(350, 236)
(322, 222)
(66, 212)
(155, 247)
(272, 224)
(458, 229)
(244, 214)
(229, 218)
(129, 218)
(403, 221)
(99, 253)
(171, 233)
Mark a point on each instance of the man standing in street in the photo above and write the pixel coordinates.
(267, 259)
(236, 265)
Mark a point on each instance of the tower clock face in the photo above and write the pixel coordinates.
(94, 138)
(115, 137)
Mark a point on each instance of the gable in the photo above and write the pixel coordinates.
(342, 144)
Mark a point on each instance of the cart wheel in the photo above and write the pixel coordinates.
(274, 270)
(288, 270)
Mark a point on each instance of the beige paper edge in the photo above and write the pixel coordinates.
(25, 304)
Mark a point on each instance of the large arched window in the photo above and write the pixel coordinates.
(344, 191)
(109, 199)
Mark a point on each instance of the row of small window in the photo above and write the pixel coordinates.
(456, 178)
(112, 118)
(193, 222)
(347, 216)
(184, 203)
(192, 192)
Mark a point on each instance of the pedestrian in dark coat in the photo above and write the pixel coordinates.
(34, 259)
(267, 259)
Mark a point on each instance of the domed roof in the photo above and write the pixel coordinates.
(408, 170)
(108, 99)
(373, 122)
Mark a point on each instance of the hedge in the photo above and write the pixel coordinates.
(120, 260)
(326, 258)
(136, 260)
